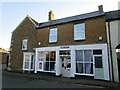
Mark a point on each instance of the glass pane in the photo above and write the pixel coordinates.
(52, 56)
(24, 44)
(68, 65)
(41, 56)
(98, 62)
(52, 66)
(79, 35)
(79, 27)
(27, 57)
(31, 65)
(79, 55)
(64, 52)
(32, 58)
(53, 31)
(53, 38)
(79, 68)
(40, 65)
(88, 55)
(47, 55)
(97, 52)
(26, 65)
(46, 66)
(89, 68)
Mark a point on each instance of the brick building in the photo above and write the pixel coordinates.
(68, 47)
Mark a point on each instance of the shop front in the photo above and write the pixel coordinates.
(68, 61)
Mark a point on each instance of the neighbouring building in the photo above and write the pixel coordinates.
(71, 46)
(4, 57)
(113, 34)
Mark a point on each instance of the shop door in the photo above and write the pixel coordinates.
(98, 67)
(28, 62)
(66, 66)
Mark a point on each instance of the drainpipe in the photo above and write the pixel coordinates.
(110, 50)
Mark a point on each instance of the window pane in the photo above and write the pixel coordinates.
(31, 67)
(53, 38)
(24, 44)
(40, 65)
(79, 27)
(27, 57)
(26, 65)
(52, 56)
(52, 66)
(79, 35)
(47, 56)
(46, 66)
(53, 31)
(41, 56)
(88, 55)
(79, 55)
(89, 68)
(79, 68)
(97, 52)
(53, 35)
(98, 62)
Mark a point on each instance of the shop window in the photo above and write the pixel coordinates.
(47, 60)
(79, 31)
(84, 62)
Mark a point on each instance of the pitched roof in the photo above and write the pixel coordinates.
(112, 15)
(35, 22)
(72, 18)
(31, 19)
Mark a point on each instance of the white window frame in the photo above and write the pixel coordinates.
(55, 35)
(26, 46)
(79, 31)
(84, 62)
(42, 69)
(30, 54)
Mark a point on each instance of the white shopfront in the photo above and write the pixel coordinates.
(68, 61)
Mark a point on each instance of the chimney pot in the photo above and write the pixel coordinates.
(51, 15)
(100, 8)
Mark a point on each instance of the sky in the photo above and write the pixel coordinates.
(14, 11)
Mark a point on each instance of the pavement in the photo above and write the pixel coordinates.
(78, 80)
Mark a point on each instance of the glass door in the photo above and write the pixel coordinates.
(65, 63)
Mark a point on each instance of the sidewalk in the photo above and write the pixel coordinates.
(51, 77)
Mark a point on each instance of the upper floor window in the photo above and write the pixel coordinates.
(53, 35)
(24, 44)
(79, 31)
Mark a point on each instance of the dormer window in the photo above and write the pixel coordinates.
(79, 31)
(53, 35)
(24, 44)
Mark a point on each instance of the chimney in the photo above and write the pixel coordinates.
(51, 15)
(100, 8)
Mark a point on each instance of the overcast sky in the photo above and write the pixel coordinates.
(14, 11)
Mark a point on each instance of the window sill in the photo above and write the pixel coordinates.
(79, 39)
(52, 42)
